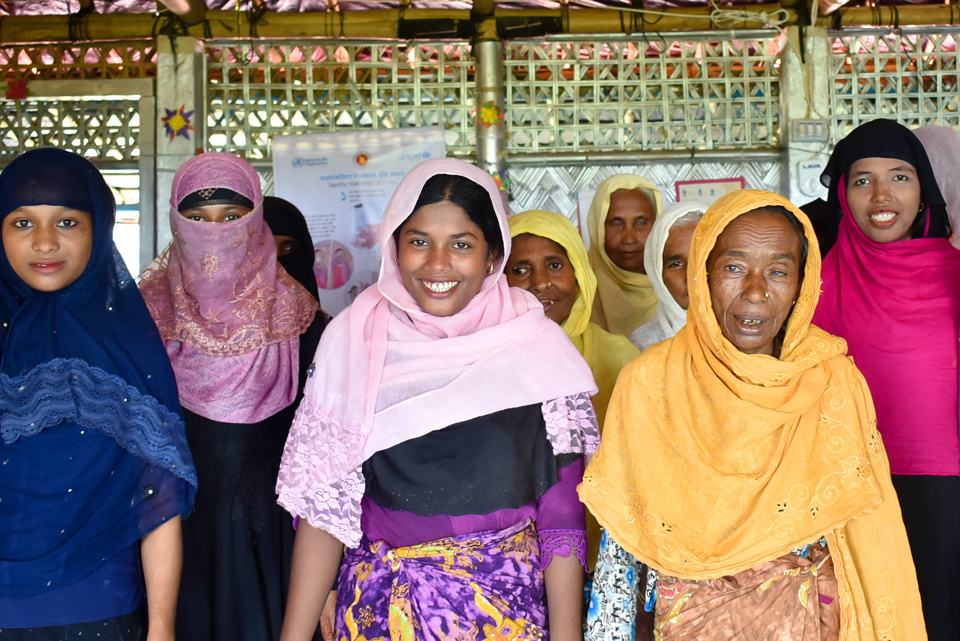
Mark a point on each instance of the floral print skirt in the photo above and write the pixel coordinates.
(485, 585)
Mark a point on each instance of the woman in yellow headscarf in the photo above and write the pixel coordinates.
(620, 219)
(764, 500)
(549, 259)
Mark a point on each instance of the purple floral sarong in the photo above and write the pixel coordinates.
(475, 586)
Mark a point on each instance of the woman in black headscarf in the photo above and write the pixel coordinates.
(294, 244)
(890, 288)
(295, 254)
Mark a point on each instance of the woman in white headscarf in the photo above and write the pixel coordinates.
(665, 260)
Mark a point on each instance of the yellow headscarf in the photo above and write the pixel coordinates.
(625, 300)
(605, 353)
(714, 461)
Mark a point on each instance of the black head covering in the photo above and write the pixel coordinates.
(213, 196)
(883, 138)
(284, 219)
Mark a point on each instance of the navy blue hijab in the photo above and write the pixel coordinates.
(91, 431)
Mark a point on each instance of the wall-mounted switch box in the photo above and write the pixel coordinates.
(810, 130)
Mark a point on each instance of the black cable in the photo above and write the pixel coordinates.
(255, 18)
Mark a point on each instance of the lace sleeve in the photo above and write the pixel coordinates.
(612, 612)
(572, 425)
(318, 480)
(562, 543)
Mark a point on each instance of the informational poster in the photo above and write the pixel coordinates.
(342, 183)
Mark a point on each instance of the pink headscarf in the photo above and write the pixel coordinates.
(898, 306)
(388, 372)
(229, 315)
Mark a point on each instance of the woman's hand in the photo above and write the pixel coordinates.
(316, 558)
(328, 616)
(161, 553)
(564, 583)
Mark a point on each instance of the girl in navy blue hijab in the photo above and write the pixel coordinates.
(95, 472)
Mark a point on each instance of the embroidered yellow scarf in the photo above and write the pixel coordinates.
(714, 461)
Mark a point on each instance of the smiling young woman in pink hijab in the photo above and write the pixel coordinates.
(441, 438)
(237, 328)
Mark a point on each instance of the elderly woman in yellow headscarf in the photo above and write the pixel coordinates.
(620, 220)
(764, 501)
(549, 260)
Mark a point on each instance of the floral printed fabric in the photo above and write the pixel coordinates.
(612, 612)
(486, 585)
(788, 599)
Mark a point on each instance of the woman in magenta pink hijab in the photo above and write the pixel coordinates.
(891, 288)
(236, 327)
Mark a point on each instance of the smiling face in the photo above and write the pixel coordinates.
(48, 246)
(675, 257)
(443, 258)
(754, 278)
(541, 267)
(884, 198)
(215, 213)
(626, 228)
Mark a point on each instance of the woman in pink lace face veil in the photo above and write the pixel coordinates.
(239, 331)
(441, 438)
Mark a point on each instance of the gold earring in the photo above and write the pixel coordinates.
(921, 207)
(766, 294)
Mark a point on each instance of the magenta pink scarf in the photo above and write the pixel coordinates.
(387, 372)
(898, 306)
(229, 315)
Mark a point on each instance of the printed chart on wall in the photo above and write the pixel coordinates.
(342, 183)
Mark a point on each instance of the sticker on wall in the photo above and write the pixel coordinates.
(177, 122)
(489, 114)
(708, 191)
(16, 90)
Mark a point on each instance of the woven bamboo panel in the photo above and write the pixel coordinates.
(909, 75)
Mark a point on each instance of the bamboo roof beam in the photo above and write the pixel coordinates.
(450, 24)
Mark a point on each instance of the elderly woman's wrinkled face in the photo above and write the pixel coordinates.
(754, 278)
(675, 253)
(629, 221)
(884, 198)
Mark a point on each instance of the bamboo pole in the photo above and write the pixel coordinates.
(892, 16)
(383, 23)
